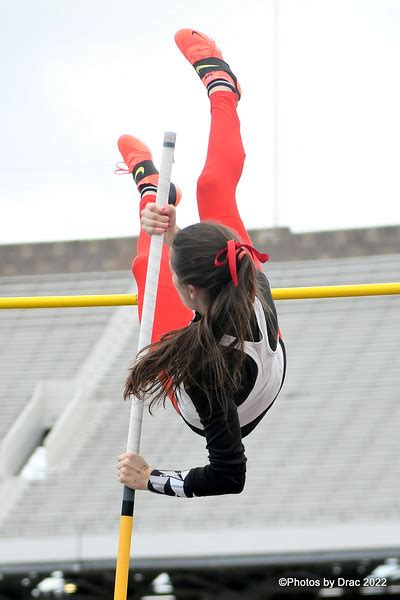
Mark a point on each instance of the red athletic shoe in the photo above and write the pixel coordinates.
(139, 161)
(202, 52)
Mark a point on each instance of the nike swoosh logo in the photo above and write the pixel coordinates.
(204, 67)
(139, 171)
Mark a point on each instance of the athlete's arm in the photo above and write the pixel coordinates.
(226, 471)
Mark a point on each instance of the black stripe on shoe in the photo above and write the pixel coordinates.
(224, 82)
(147, 188)
(208, 65)
(143, 169)
(150, 188)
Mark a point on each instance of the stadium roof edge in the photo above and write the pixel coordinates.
(273, 545)
(209, 562)
(115, 254)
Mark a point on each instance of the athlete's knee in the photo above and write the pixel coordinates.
(209, 185)
(139, 268)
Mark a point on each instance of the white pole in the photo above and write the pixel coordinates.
(136, 417)
(150, 291)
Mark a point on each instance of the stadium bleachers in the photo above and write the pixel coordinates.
(325, 455)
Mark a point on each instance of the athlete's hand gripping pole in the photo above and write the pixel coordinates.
(146, 327)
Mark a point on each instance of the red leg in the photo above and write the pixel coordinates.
(170, 312)
(216, 187)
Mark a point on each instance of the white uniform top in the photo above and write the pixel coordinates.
(270, 366)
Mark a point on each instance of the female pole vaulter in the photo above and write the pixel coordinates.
(216, 352)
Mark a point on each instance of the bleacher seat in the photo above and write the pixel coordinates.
(327, 453)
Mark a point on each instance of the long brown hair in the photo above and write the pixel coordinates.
(194, 355)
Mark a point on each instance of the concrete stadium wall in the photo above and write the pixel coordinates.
(116, 254)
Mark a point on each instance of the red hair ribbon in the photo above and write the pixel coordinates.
(231, 254)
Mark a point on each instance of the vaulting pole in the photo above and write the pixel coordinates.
(146, 327)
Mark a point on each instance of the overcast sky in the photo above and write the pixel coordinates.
(75, 75)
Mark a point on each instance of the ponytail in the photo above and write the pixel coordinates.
(197, 355)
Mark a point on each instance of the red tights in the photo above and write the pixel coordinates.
(216, 188)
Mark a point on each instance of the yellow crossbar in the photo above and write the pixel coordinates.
(296, 293)
(68, 301)
(336, 291)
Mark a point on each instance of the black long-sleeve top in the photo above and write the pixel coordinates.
(226, 471)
